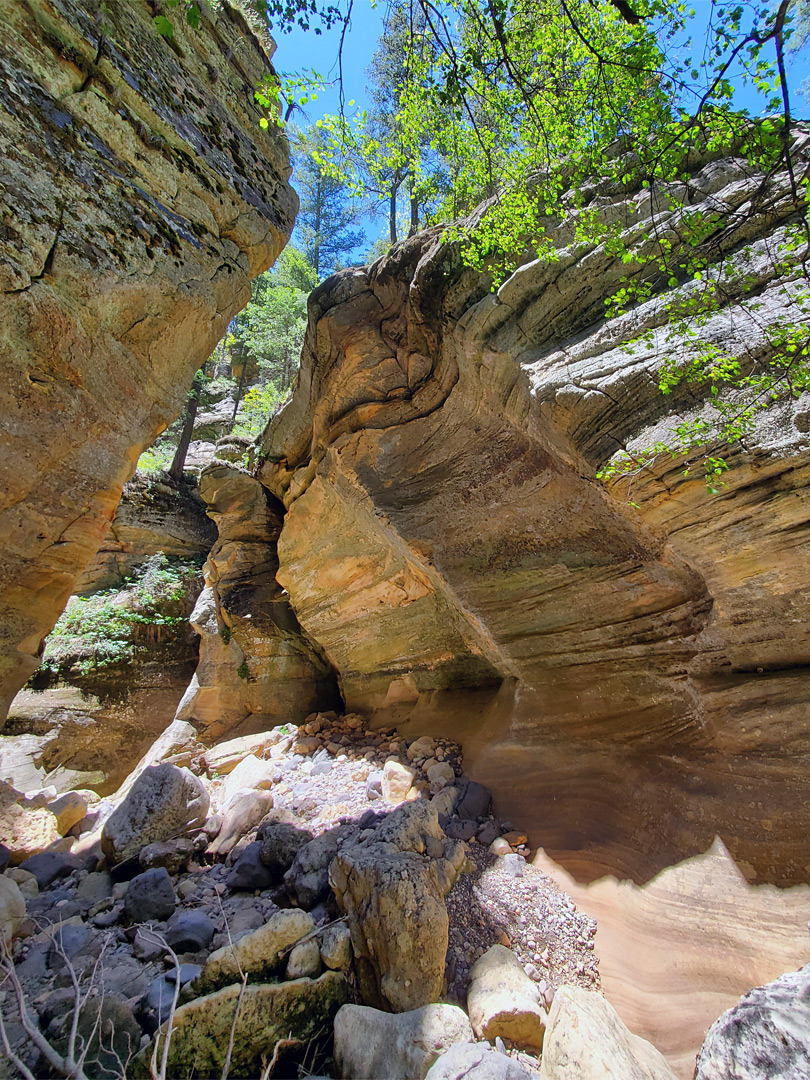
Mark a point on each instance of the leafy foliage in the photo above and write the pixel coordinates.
(107, 628)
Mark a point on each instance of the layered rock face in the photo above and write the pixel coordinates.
(139, 197)
(447, 546)
(257, 666)
(151, 517)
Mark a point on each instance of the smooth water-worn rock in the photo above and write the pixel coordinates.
(503, 1001)
(304, 960)
(241, 814)
(189, 931)
(765, 1037)
(375, 1045)
(586, 1040)
(476, 1061)
(164, 802)
(141, 207)
(336, 947)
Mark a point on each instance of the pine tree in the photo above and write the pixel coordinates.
(327, 220)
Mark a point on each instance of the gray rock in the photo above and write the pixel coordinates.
(150, 896)
(163, 803)
(173, 854)
(249, 872)
(513, 864)
(488, 832)
(374, 786)
(460, 830)
(80, 944)
(764, 1037)
(147, 945)
(190, 931)
(95, 888)
(308, 877)
(476, 1061)
(184, 974)
(50, 866)
(123, 977)
(474, 801)
(375, 1045)
(280, 843)
(105, 919)
(108, 1024)
(160, 996)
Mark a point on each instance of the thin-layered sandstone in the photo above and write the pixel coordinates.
(138, 197)
(629, 683)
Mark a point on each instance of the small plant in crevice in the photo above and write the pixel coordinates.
(225, 634)
(242, 671)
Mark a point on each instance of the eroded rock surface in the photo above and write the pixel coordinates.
(765, 1037)
(447, 546)
(139, 198)
(257, 666)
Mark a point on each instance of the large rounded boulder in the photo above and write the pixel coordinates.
(164, 802)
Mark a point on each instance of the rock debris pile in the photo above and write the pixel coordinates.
(323, 899)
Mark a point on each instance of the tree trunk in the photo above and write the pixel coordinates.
(239, 390)
(179, 461)
(392, 214)
(414, 229)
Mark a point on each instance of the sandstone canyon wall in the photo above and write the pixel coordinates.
(138, 196)
(628, 682)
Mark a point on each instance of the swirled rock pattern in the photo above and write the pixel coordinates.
(138, 197)
(628, 681)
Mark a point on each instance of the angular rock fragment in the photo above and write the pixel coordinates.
(393, 893)
(257, 953)
(476, 1061)
(150, 896)
(280, 843)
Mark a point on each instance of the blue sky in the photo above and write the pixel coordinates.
(301, 50)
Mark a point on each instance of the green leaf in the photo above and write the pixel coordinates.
(193, 17)
(163, 26)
